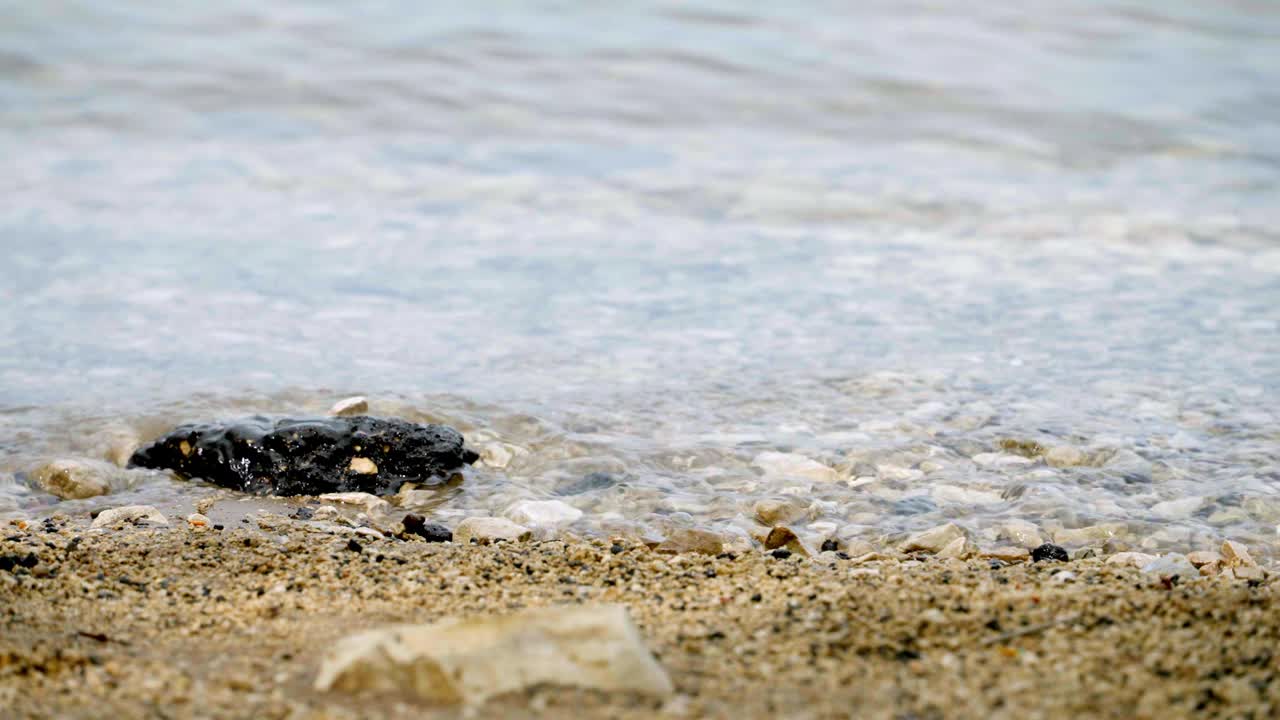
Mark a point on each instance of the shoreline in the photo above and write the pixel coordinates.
(195, 622)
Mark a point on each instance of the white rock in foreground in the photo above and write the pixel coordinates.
(485, 530)
(543, 513)
(347, 407)
(934, 539)
(793, 466)
(71, 479)
(131, 514)
(469, 660)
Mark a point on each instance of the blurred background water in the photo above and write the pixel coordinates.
(659, 239)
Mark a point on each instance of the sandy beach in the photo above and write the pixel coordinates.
(228, 623)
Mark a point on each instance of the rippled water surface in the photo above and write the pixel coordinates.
(661, 242)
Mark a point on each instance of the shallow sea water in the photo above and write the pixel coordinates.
(660, 241)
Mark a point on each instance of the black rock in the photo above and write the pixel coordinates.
(303, 513)
(1049, 551)
(830, 545)
(354, 546)
(615, 548)
(781, 553)
(431, 532)
(308, 456)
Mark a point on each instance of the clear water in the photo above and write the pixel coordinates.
(660, 239)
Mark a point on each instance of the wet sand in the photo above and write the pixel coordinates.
(185, 623)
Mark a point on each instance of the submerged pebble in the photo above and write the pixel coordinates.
(72, 479)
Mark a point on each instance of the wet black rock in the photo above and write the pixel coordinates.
(308, 456)
(781, 554)
(417, 525)
(830, 545)
(1049, 551)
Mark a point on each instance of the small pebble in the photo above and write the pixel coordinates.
(830, 545)
(354, 546)
(781, 553)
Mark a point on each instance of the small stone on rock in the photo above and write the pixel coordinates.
(348, 407)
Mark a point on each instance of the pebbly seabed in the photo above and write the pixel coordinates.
(879, 485)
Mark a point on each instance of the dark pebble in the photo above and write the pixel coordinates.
(830, 545)
(29, 560)
(842, 555)
(995, 564)
(1049, 551)
(354, 546)
(303, 513)
(757, 597)
(615, 549)
(415, 524)
(709, 572)
(588, 483)
(781, 553)
(218, 527)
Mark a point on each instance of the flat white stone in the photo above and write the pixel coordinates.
(372, 504)
(934, 539)
(543, 513)
(964, 496)
(1179, 509)
(999, 460)
(791, 465)
(485, 530)
(1136, 559)
(468, 660)
(129, 514)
